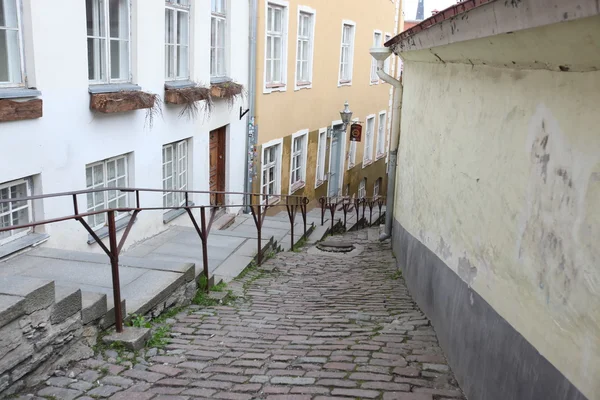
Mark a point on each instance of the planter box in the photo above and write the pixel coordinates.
(183, 96)
(11, 110)
(121, 101)
(220, 90)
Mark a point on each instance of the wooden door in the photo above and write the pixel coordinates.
(217, 165)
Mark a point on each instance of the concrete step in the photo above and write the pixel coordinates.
(11, 308)
(67, 302)
(318, 233)
(93, 306)
(38, 293)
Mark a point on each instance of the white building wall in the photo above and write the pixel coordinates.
(69, 136)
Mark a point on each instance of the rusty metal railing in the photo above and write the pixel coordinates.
(259, 204)
(348, 204)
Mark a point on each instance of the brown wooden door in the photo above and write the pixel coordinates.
(217, 165)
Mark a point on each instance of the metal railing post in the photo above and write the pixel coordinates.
(259, 231)
(204, 238)
(114, 263)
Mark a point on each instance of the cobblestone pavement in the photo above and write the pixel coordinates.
(306, 326)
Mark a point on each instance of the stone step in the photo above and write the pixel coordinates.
(38, 293)
(67, 302)
(11, 308)
(318, 233)
(94, 306)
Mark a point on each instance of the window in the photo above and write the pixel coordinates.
(177, 39)
(321, 149)
(362, 188)
(275, 46)
(376, 43)
(304, 50)
(347, 57)
(352, 155)
(106, 174)
(108, 40)
(218, 24)
(16, 212)
(376, 187)
(386, 64)
(175, 172)
(381, 135)
(271, 168)
(368, 156)
(298, 160)
(11, 53)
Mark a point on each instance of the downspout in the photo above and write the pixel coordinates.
(251, 133)
(381, 54)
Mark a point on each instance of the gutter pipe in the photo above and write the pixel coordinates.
(381, 54)
(251, 131)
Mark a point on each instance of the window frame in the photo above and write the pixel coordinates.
(178, 198)
(388, 61)
(224, 18)
(351, 45)
(369, 141)
(21, 49)
(377, 187)
(362, 187)
(125, 195)
(374, 78)
(307, 84)
(300, 154)
(178, 8)
(351, 155)
(381, 135)
(12, 235)
(107, 37)
(320, 174)
(270, 86)
(278, 144)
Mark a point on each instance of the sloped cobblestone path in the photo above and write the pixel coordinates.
(306, 326)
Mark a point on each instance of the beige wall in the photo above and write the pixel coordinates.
(281, 114)
(499, 175)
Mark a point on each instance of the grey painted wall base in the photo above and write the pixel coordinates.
(490, 359)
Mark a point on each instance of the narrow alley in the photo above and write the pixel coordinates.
(305, 325)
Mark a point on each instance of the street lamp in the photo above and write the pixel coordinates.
(346, 114)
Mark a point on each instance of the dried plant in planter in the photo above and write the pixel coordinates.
(230, 91)
(128, 100)
(190, 98)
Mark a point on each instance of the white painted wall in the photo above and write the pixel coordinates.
(69, 136)
(499, 176)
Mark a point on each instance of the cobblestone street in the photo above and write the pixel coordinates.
(304, 326)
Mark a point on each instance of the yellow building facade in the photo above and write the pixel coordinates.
(312, 57)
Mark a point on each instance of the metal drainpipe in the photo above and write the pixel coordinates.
(251, 133)
(394, 143)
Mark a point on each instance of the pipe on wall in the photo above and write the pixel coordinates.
(251, 131)
(381, 54)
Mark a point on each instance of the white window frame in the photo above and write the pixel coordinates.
(180, 170)
(380, 148)
(362, 188)
(374, 78)
(13, 235)
(369, 141)
(320, 174)
(273, 197)
(387, 62)
(21, 82)
(347, 82)
(298, 154)
(376, 187)
(298, 85)
(106, 200)
(270, 87)
(107, 38)
(177, 7)
(351, 155)
(224, 19)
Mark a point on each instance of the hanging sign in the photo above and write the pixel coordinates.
(355, 132)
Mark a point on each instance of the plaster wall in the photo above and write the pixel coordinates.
(499, 176)
(69, 135)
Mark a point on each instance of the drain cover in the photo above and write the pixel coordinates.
(336, 247)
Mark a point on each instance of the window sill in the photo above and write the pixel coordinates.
(297, 186)
(344, 83)
(366, 163)
(350, 166)
(379, 156)
(19, 93)
(319, 182)
(173, 214)
(183, 84)
(30, 240)
(103, 232)
(214, 80)
(275, 87)
(113, 88)
(374, 83)
(272, 200)
(303, 85)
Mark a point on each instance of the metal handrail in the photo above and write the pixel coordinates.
(347, 204)
(258, 210)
